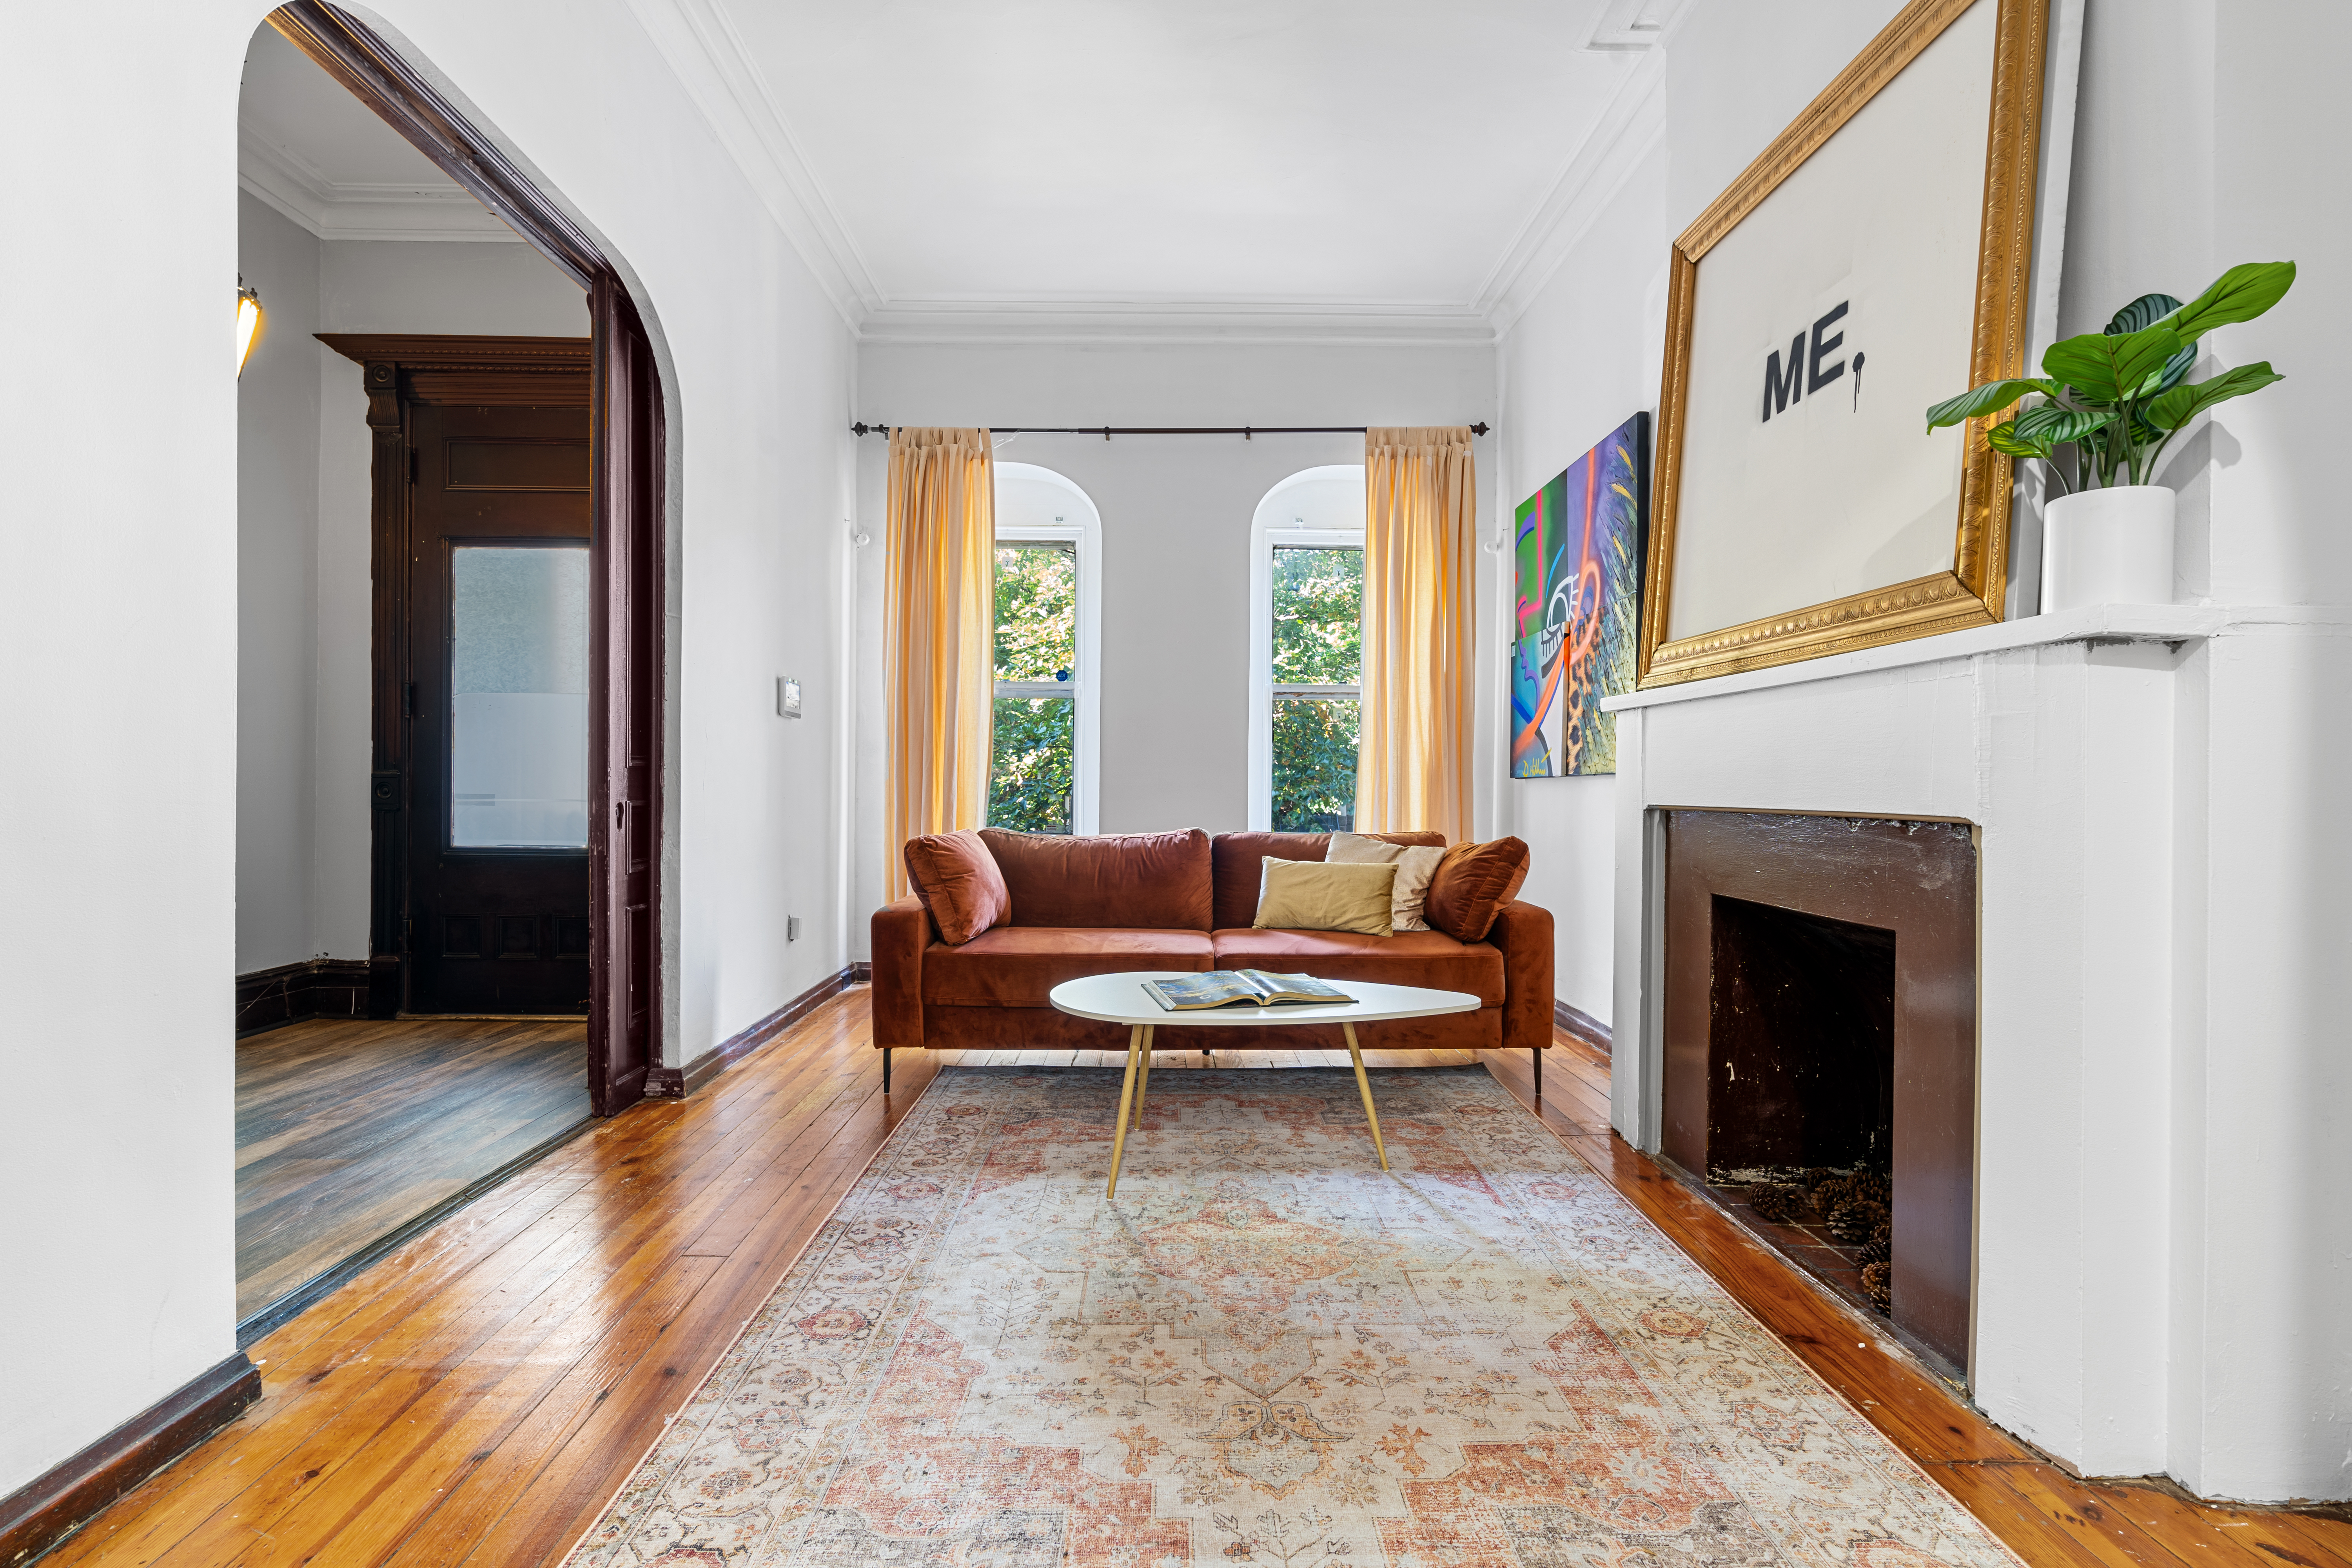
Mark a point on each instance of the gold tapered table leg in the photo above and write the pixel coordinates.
(1143, 1078)
(1126, 1097)
(1363, 1086)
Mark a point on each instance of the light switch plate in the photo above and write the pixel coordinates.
(788, 697)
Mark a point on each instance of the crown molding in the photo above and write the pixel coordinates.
(1630, 126)
(707, 57)
(284, 180)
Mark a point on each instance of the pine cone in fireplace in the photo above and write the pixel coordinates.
(1871, 1187)
(1831, 1195)
(1880, 1248)
(1853, 1220)
(1878, 1284)
(1779, 1204)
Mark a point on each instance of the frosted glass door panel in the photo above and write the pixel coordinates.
(518, 696)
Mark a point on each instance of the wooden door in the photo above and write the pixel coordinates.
(499, 705)
(626, 724)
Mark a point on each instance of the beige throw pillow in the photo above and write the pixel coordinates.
(1415, 864)
(1312, 895)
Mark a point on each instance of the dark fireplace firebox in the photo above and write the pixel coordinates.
(1820, 990)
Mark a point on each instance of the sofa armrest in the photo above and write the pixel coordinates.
(901, 932)
(1523, 932)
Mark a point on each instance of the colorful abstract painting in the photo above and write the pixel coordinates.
(1577, 544)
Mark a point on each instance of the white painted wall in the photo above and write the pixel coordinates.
(1584, 356)
(1176, 513)
(121, 623)
(2150, 1300)
(277, 600)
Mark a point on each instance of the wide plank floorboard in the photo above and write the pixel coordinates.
(478, 1395)
(347, 1130)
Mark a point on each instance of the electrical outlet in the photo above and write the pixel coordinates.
(788, 697)
(791, 928)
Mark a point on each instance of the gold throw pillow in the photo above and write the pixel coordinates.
(1314, 895)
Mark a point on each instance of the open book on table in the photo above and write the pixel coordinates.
(1232, 987)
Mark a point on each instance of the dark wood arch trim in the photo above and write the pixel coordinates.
(352, 53)
(626, 552)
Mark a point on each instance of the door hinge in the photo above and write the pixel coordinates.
(619, 807)
(408, 699)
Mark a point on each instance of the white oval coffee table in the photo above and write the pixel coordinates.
(1121, 999)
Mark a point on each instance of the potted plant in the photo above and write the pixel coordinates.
(2117, 398)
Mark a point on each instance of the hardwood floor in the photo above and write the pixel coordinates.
(346, 1130)
(478, 1395)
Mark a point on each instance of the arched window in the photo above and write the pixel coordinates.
(1044, 773)
(1307, 600)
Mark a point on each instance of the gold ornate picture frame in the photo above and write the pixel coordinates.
(1970, 593)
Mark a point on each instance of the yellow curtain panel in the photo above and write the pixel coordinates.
(1421, 504)
(938, 620)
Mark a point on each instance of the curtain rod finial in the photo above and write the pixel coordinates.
(1479, 428)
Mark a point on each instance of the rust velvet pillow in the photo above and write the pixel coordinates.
(1473, 883)
(957, 881)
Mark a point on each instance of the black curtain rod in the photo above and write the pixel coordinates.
(1107, 431)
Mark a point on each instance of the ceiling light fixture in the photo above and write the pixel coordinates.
(248, 320)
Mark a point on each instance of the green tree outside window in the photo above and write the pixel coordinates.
(1318, 633)
(1033, 763)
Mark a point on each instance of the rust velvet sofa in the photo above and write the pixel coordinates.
(1097, 905)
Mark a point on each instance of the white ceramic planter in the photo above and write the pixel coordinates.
(2110, 546)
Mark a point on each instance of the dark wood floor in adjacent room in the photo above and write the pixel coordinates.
(481, 1395)
(347, 1130)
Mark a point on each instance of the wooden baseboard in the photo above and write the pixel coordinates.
(677, 1083)
(51, 1506)
(318, 988)
(1582, 1025)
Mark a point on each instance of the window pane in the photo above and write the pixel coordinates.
(1036, 611)
(1318, 616)
(1314, 765)
(1031, 774)
(518, 696)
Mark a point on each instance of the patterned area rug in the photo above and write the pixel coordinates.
(1266, 1350)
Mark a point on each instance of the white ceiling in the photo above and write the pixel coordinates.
(1347, 165)
(1332, 169)
(316, 153)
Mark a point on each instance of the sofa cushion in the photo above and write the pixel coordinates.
(1415, 864)
(1314, 895)
(1428, 958)
(1018, 966)
(957, 878)
(1133, 881)
(1473, 883)
(1236, 857)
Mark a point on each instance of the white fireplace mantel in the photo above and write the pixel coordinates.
(2091, 622)
(2161, 948)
